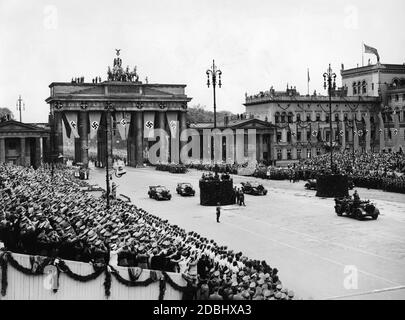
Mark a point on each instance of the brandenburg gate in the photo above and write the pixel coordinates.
(121, 104)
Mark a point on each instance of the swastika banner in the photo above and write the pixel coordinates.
(72, 121)
(149, 124)
(94, 118)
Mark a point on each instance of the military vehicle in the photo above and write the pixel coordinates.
(185, 189)
(253, 188)
(159, 193)
(346, 206)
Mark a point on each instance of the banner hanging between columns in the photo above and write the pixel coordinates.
(123, 123)
(71, 118)
(94, 119)
(149, 124)
(381, 131)
(396, 133)
(173, 123)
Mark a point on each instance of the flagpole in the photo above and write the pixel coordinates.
(308, 80)
(362, 54)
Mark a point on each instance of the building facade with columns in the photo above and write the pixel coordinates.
(258, 148)
(386, 81)
(123, 105)
(364, 121)
(24, 144)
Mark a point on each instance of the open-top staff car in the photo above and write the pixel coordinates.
(185, 189)
(253, 188)
(159, 193)
(311, 184)
(346, 206)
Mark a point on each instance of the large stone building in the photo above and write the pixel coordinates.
(258, 149)
(367, 114)
(122, 103)
(23, 143)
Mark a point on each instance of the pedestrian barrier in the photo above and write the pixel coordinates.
(18, 285)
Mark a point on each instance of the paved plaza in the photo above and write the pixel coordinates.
(317, 253)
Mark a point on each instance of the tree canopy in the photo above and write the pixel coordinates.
(199, 113)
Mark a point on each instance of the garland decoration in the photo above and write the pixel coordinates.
(4, 282)
(17, 266)
(173, 284)
(162, 288)
(63, 267)
(107, 282)
(130, 283)
(108, 271)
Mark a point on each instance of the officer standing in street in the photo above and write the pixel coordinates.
(242, 199)
(218, 211)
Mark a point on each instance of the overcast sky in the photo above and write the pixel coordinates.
(255, 43)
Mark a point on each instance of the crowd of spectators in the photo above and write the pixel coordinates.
(382, 170)
(52, 216)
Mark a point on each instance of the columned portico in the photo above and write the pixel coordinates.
(20, 143)
(22, 151)
(145, 106)
(2, 150)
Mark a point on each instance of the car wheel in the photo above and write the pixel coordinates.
(376, 214)
(358, 214)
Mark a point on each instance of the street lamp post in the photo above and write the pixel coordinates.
(330, 84)
(109, 107)
(214, 72)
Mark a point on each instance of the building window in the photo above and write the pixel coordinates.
(336, 117)
(278, 136)
(277, 117)
(308, 117)
(290, 117)
(327, 135)
(318, 117)
(345, 117)
(298, 153)
(283, 117)
(309, 153)
(318, 151)
(279, 157)
(288, 154)
(371, 119)
(337, 135)
(359, 87)
(372, 86)
(327, 117)
(364, 87)
(299, 136)
(389, 134)
(289, 136)
(354, 88)
(308, 135)
(403, 97)
(298, 117)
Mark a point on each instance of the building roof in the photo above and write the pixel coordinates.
(233, 124)
(15, 128)
(382, 67)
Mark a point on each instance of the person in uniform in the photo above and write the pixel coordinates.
(356, 199)
(242, 199)
(218, 211)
